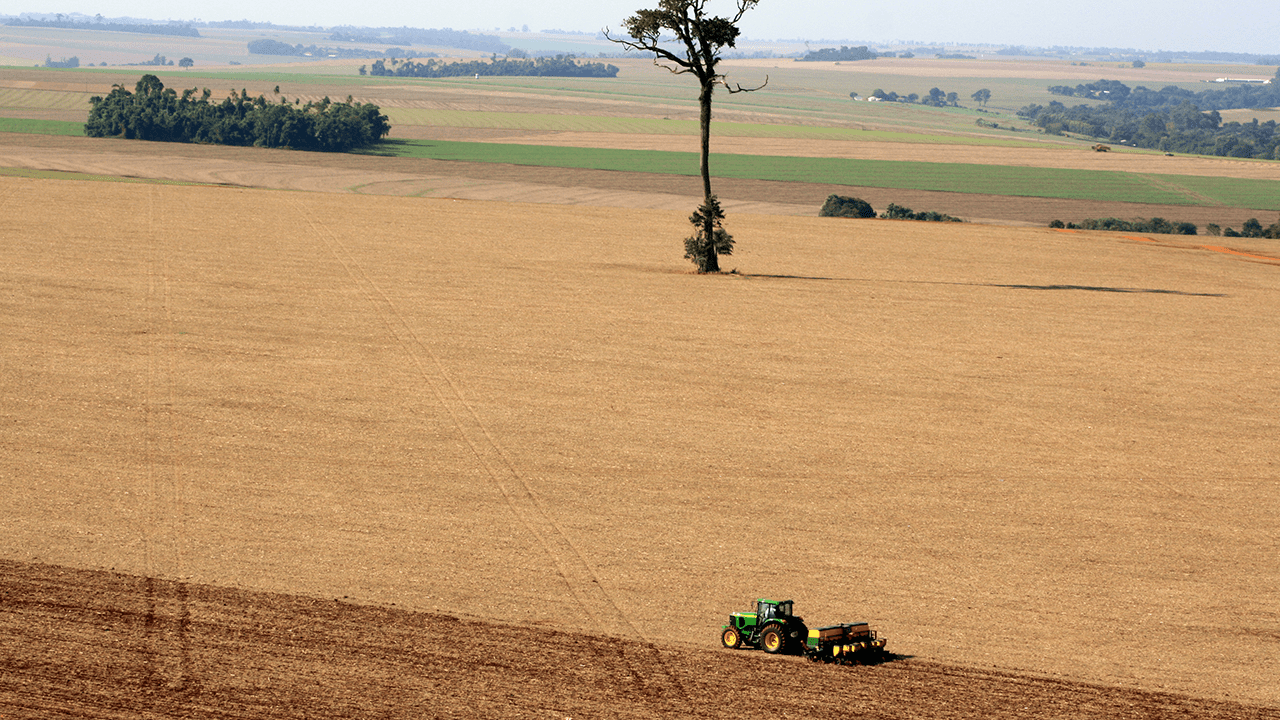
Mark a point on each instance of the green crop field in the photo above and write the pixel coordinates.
(41, 127)
(941, 177)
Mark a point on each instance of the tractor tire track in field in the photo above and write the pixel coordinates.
(74, 644)
(163, 517)
(517, 491)
(1176, 189)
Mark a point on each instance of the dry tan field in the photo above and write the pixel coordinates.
(1043, 464)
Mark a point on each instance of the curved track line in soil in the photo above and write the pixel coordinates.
(517, 491)
(1169, 187)
(1265, 259)
(1168, 243)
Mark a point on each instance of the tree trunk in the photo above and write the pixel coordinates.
(704, 121)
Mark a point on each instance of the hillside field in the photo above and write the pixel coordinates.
(1013, 449)
(300, 435)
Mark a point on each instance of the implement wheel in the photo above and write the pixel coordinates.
(773, 639)
(731, 638)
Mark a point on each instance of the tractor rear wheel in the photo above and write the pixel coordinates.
(731, 638)
(773, 639)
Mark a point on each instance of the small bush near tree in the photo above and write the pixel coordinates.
(898, 212)
(702, 249)
(848, 207)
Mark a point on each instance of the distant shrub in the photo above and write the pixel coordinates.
(848, 207)
(267, 46)
(1253, 229)
(898, 212)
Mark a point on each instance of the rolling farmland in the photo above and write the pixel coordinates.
(297, 435)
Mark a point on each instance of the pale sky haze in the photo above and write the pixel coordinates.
(1245, 26)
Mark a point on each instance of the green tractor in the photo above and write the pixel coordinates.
(772, 628)
(775, 629)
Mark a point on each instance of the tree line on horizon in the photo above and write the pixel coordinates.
(558, 66)
(175, 29)
(1172, 119)
(153, 112)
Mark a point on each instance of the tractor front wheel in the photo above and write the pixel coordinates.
(731, 638)
(773, 639)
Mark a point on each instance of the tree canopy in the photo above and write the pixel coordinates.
(558, 66)
(152, 112)
(1171, 119)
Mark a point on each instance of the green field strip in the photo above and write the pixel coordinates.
(41, 127)
(654, 126)
(1234, 192)
(1097, 185)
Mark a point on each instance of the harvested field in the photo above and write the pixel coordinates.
(1042, 463)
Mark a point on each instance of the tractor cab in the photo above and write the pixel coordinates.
(767, 610)
(772, 627)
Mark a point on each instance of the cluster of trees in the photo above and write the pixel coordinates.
(898, 212)
(558, 66)
(1100, 90)
(419, 36)
(936, 97)
(1154, 225)
(152, 112)
(267, 46)
(1171, 119)
(158, 60)
(71, 62)
(1250, 229)
(852, 207)
(844, 54)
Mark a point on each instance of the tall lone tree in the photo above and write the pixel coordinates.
(686, 40)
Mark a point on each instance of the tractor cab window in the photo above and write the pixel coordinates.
(765, 611)
(784, 609)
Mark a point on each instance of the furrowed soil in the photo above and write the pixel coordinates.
(141, 647)
(280, 454)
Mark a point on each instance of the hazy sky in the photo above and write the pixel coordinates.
(1249, 26)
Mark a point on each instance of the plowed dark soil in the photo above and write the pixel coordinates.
(86, 644)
